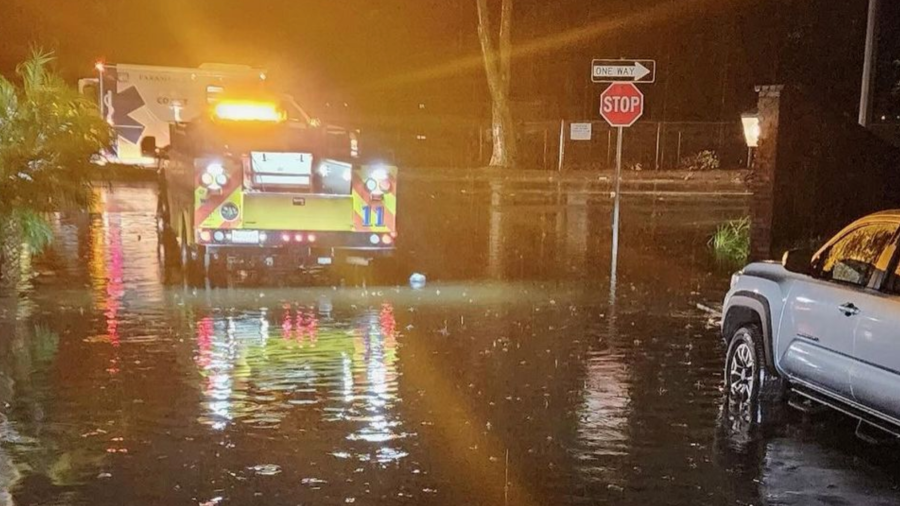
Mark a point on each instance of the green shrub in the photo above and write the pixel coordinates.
(732, 240)
(704, 160)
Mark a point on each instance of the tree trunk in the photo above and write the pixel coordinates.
(497, 69)
(10, 252)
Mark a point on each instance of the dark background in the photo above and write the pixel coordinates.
(384, 58)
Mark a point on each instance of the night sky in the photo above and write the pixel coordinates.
(387, 56)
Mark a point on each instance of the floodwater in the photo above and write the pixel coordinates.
(518, 375)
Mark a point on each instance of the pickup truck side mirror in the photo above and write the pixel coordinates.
(798, 261)
(148, 146)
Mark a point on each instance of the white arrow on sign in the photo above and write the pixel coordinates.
(636, 71)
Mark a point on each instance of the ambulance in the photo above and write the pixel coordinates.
(257, 181)
(143, 101)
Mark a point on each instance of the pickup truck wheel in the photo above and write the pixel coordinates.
(744, 362)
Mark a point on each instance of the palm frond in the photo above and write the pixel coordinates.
(36, 230)
(33, 71)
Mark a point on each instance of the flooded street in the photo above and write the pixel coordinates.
(521, 374)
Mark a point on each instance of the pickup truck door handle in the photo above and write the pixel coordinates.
(849, 309)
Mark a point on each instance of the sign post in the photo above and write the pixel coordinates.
(621, 105)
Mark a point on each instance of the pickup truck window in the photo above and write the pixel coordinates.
(853, 258)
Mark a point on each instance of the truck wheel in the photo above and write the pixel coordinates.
(744, 365)
(167, 242)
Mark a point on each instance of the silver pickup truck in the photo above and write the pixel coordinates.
(824, 325)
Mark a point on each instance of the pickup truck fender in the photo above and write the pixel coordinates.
(749, 304)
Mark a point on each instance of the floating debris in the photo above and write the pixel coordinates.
(266, 469)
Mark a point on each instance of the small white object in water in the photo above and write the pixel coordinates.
(417, 281)
(266, 469)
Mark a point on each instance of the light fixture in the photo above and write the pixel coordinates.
(248, 111)
(752, 130)
(380, 174)
(214, 176)
(750, 122)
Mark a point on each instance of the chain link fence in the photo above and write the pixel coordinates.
(647, 145)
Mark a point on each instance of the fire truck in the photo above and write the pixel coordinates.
(260, 182)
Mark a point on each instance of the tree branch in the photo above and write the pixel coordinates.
(506, 41)
(491, 63)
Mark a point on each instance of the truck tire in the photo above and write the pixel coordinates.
(745, 364)
(167, 243)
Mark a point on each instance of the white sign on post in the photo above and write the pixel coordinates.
(580, 131)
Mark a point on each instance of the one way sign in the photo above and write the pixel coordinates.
(618, 71)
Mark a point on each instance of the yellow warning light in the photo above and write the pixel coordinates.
(248, 111)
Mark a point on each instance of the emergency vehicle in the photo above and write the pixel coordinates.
(261, 182)
(141, 101)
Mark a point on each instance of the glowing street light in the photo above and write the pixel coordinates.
(101, 68)
(750, 122)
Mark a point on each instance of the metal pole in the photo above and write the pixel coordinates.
(546, 147)
(865, 98)
(608, 146)
(678, 153)
(662, 148)
(562, 144)
(658, 138)
(615, 223)
(102, 115)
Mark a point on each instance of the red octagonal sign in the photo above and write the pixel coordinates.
(621, 104)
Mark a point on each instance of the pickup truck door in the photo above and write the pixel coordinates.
(875, 378)
(821, 312)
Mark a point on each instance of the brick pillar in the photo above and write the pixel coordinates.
(764, 169)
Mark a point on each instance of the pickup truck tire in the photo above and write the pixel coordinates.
(744, 364)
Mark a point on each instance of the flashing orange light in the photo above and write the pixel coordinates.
(100, 66)
(248, 111)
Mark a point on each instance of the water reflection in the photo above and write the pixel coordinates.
(511, 377)
(258, 367)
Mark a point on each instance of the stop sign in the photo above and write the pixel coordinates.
(621, 104)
